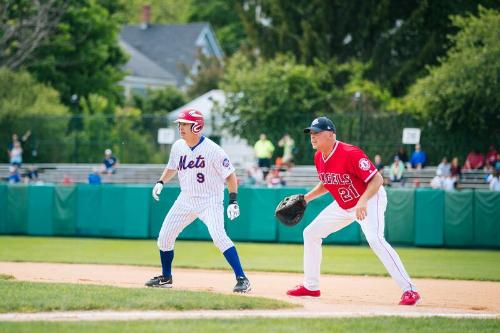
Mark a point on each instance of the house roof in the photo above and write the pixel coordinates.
(142, 66)
(167, 45)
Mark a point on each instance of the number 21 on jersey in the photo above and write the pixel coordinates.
(348, 193)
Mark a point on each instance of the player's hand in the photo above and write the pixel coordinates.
(233, 211)
(157, 191)
(360, 210)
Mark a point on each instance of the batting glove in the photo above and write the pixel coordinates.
(233, 210)
(157, 190)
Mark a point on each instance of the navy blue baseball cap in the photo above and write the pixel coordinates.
(320, 124)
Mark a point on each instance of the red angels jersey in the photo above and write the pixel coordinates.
(345, 173)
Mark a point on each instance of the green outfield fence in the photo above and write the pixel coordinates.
(415, 217)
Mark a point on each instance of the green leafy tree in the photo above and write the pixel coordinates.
(161, 11)
(82, 55)
(121, 131)
(460, 95)
(26, 105)
(224, 16)
(208, 77)
(398, 38)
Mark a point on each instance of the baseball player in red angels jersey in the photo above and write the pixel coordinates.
(353, 181)
(202, 167)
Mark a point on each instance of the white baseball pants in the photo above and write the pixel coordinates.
(184, 211)
(334, 218)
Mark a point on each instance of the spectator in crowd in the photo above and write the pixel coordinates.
(15, 139)
(488, 167)
(254, 176)
(14, 176)
(31, 175)
(444, 168)
(396, 171)
(378, 163)
(494, 180)
(288, 145)
(264, 151)
(455, 169)
(418, 158)
(496, 166)
(94, 178)
(16, 154)
(110, 163)
(274, 178)
(474, 161)
(67, 180)
(491, 156)
(403, 156)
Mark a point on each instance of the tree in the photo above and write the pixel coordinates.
(24, 26)
(224, 17)
(162, 11)
(281, 95)
(82, 55)
(24, 103)
(460, 95)
(210, 72)
(398, 38)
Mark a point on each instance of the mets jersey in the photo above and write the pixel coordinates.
(202, 169)
(345, 173)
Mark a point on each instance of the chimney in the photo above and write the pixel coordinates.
(145, 16)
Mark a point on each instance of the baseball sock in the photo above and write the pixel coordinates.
(166, 262)
(233, 260)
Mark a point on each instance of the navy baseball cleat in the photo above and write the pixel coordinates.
(242, 285)
(160, 282)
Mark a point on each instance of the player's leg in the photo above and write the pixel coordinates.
(179, 216)
(213, 217)
(331, 219)
(373, 228)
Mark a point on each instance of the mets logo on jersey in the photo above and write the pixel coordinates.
(364, 164)
(225, 163)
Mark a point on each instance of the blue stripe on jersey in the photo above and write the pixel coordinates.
(199, 142)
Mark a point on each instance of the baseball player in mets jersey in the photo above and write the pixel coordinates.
(351, 178)
(202, 167)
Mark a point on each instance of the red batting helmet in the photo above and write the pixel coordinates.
(192, 116)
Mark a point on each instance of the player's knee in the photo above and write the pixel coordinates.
(223, 243)
(165, 244)
(310, 234)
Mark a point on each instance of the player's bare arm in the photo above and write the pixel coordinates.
(232, 183)
(167, 175)
(371, 190)
(316, 192)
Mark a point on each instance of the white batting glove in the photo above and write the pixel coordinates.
(157, 190)
(233, 211)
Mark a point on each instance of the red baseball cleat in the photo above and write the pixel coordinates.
(300, 291)
(410, 298)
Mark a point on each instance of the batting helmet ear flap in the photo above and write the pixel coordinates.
(196, 128)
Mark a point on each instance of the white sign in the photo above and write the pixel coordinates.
(166, 135)
(411, 136)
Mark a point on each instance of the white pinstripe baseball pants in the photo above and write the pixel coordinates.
(184, 211)
(334, 218)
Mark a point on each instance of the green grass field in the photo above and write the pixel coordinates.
(37, 297)
(354, 325)
(351, 260)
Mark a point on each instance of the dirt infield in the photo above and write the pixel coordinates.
(341, 295)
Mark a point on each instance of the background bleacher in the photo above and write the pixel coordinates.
(300, 175)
